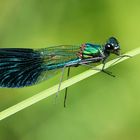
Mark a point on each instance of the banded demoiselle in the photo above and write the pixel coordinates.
(21, 67)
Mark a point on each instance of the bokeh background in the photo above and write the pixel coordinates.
(100, 107)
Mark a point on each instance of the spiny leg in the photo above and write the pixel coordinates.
(66, 90)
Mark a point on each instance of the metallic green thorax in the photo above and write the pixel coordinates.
(91, 51)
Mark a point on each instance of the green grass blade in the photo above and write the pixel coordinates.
(48, 92)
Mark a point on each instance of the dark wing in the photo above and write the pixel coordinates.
(19, 67)
(26, 67)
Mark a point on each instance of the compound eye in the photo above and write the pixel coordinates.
(109, 47)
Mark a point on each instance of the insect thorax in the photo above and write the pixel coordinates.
(90, 50)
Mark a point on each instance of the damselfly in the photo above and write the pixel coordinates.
(25, 67)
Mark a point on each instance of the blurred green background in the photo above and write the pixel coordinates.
(100, 107)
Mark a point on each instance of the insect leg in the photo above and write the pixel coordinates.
(61, 78)
(86, 63)
(103, 69)
(120, 57)
(66, 90)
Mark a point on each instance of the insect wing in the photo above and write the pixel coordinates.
(26, 67)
